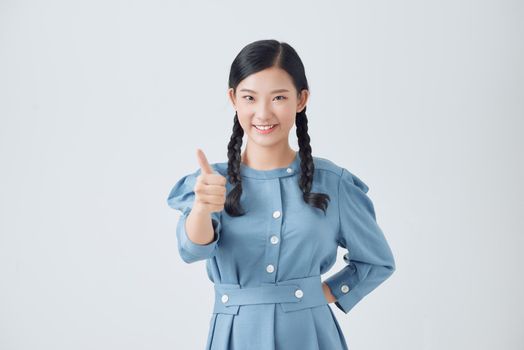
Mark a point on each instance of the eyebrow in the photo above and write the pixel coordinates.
(273, 92)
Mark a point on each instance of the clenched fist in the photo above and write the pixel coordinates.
(210, 187)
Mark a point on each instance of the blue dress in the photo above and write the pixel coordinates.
(266, 266)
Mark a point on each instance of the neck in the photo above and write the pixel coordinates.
(267, 158)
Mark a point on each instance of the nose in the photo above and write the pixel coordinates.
(263, 114)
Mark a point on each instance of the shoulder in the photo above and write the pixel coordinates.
(220, 167)
(326, 165)
(345, 176)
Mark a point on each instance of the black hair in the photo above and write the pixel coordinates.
(253, 58)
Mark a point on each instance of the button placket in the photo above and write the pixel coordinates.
(274, 215)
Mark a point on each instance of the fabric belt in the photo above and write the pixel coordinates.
(292, 294)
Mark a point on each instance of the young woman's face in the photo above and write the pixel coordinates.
(266, 98)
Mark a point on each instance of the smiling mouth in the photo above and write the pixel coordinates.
(265, 127)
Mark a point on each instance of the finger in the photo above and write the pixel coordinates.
(204, 164)
(210, 189)
(211, 199)
(213, 179)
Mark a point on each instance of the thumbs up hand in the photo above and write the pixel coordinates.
(210, 187)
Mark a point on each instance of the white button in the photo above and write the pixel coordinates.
(276, 214)
(344, 288)
(274, 239)
(225, 298)
(270, 268)
(289, 170)
(299, 293)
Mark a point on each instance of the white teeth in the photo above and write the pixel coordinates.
(264, 127)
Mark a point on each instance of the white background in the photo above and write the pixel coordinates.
(102, 107)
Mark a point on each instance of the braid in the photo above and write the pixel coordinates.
(232, 205)
(318, 200)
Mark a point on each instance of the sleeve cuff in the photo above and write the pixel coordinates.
(191, 251)
(344, 286)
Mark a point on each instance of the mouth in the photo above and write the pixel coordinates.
(264, 129)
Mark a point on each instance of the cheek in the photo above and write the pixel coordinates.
(244, 116)
(287, 110)
(245, 121)
(286, 116)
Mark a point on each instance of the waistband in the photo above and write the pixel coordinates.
(293, 294)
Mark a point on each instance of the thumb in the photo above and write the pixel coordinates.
(204, 164)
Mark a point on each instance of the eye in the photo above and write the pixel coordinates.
(250, 98)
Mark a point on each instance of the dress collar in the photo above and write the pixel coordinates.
(289, 170)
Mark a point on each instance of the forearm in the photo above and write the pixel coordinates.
(199, 226)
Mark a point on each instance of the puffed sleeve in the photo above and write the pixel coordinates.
(181, 198)
(369, 259)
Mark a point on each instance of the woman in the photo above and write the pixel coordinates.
(268, 221)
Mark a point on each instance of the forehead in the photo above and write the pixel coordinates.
(267, 80)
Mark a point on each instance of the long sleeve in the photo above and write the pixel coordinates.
(182, 198)
(369, 260)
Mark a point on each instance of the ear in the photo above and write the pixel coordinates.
(231, 95)
(303, 99)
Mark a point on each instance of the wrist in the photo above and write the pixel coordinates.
(200, 210)
(327, 292)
